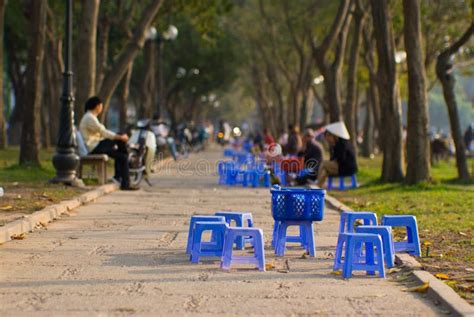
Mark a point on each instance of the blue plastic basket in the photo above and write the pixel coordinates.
(297, 203)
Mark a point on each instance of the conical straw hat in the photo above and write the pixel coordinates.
(338, 129)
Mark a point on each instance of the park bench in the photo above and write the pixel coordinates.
(97, 161)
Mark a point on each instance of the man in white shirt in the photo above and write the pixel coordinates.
(99, 140)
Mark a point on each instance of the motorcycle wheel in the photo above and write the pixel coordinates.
(136, 173)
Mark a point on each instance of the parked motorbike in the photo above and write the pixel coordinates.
(141, 149)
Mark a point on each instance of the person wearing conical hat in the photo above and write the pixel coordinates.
(343, 160)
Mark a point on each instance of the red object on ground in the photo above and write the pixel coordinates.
(292, 164)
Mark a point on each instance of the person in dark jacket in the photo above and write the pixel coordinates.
(313, 156)
(295, 143)
(343, 160)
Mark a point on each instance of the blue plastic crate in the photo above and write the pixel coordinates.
(297, 203)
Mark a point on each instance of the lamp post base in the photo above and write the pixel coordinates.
(66, 162)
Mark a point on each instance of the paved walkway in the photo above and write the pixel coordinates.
(124, 255)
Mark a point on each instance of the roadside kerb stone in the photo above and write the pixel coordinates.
(29, 222)
(438, 290)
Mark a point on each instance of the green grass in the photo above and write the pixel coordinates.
(27, 189)
(440, 205)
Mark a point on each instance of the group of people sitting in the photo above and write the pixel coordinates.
(342, 160)
(99, 140)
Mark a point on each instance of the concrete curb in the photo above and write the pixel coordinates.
(438, 290)
(50, 213)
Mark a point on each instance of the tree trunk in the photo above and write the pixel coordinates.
(86, 57)
(388, 92)
(3, 128)
(350, 112)
(130, 51)
(123, 98)
(418, 147)
(17, 78)
(102, 51)
(149, 83)
(444, 72)
(29, 148)
(331, 73)
(368, 144)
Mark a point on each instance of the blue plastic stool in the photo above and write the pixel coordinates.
(385, 232)
(348, 219)
(192, 222)
(240, 218)
(412, 246)
(307, 240)
(252, 177)
(232, 235)
(199, 249)
(294, 239)
(350, 242)
(229, 152)
(342, 185)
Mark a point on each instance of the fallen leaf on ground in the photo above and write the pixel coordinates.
(7, 207)
(462, 233)
(442, 276)
(304, 256)
(269, 266)
(465, 287)
(427, 243)
(394, 270)
(283, 271)
(338, 273)
(418, 289)
(20, 236)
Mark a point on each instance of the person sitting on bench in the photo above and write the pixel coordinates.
(99, 140)
(343, 161)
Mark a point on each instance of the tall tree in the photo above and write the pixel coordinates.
(127, 55)
(388, 92)
(418, 147)
(445, 74)
(3, 129)
(29, 147)
(350, 111)
(331, 72)
(86, 56)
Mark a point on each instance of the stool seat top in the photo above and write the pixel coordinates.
(348, 212)
(358, 235)
(374, 227)
(399, 216)
(224, 213)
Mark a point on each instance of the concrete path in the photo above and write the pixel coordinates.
(124, 255)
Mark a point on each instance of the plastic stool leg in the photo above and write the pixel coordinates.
(310, 247)
(259, 251)
(348, 259)
(338, 256)
(369, 256)
(281, 244)
(341, 183)
(227, 252)
(380, 261)
(329, 182)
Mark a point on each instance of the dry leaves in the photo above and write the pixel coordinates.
(20, 236)
(442, 276)
(337, 273)
(269, 266)
(6, 207)
(418, 289)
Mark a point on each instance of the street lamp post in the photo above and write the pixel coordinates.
(66, 160)
(169, 35)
